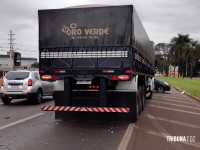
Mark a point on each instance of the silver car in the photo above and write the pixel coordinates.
(24, 84)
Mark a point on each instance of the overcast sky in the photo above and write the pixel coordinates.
(162, 19)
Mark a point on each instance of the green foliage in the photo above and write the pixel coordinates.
(35, 65)
(182, 51)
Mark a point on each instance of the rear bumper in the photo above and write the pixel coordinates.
(19, 94)
(86, 109)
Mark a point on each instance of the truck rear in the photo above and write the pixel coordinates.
(101, 57)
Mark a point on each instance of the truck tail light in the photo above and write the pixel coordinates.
(124, 77)
(30, 82)
(49, 78)
(46, 77)
(2, 83)
(121, 78)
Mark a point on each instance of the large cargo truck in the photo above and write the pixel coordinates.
(101, 58)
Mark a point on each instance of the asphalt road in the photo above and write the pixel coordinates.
(23, 126)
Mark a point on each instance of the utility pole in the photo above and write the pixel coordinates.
(11, 39)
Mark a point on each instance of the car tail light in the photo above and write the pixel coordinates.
(2, 83)
(30, 82)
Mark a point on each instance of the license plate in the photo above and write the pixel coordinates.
(83, 82)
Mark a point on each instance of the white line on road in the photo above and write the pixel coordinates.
(174, 101)
(124, 142)
(175, 105)
(173, 121)
(175, 109)
(20, 121)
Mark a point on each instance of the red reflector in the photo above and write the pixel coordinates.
(114, 78)
(56, 71)
(30, 82)
(41, 71)
(2, 83)
(124, 77)
(108, 71)
(129, 71)
(46, 77)
(93, 86)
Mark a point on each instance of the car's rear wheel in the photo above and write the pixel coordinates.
(38, 97)
(160, 89)
(6, 100)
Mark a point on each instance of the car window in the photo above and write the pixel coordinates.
(36, 76)
(17, 75)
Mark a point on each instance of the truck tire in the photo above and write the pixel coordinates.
(6, 100)
(142, 95)
(135, 111)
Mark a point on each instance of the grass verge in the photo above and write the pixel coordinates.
(192, 86)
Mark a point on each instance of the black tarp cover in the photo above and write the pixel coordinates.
(94, 26)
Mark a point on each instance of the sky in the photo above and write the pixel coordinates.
(161, 19)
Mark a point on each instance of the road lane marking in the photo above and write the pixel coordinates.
(125, 140)
(162, 129)
(194, 113)
(20, 121)
(175, 105)
(175, 101)
(173, 121)
(164, 135)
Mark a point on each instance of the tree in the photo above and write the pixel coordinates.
(194, 52)
(180, 46)
(162, 51)
(35, 65)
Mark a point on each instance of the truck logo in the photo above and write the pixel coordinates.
(76, 32)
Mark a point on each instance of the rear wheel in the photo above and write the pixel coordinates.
(6, 100)
(160, 89)
(38, 97)
(135, 112)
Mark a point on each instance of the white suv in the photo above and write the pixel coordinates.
(24, 84)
